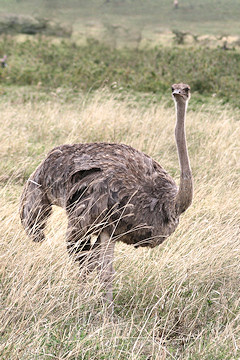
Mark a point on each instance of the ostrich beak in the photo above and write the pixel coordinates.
(176, 92)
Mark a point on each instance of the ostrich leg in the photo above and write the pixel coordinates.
(106, 267)
(78, 246)
(81, 250)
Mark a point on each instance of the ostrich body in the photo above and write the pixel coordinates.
(111, 190)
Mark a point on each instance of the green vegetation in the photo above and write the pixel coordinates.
(94, 65)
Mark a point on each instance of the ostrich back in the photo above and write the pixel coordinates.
(111, 186)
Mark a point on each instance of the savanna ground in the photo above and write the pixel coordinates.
(178, 301)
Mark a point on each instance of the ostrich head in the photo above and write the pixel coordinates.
(181, 92)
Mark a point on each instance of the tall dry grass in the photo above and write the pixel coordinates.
(178, 301)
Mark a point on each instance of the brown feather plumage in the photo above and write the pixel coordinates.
(106, 184)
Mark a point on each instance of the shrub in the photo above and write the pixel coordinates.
(93, 65)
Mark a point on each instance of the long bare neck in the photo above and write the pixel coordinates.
(185, 192)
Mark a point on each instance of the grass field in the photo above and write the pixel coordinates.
(181, 300)
(150, 17)
(177, 301)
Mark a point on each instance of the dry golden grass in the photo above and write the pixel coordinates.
(178, 301)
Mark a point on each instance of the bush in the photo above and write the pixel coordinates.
(90, 66)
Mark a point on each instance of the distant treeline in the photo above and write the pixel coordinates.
(45, 63)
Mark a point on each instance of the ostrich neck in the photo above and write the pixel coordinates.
(185, 192)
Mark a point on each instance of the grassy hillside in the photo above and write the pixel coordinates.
(177, 301)
(202, 17)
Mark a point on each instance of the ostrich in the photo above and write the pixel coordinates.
(112, 191)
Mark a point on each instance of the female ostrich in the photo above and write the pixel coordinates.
(112, 191)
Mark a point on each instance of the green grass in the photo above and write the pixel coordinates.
(201, 17)
(54, 65)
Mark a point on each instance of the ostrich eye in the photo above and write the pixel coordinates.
(172, 89)
(186, 89)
